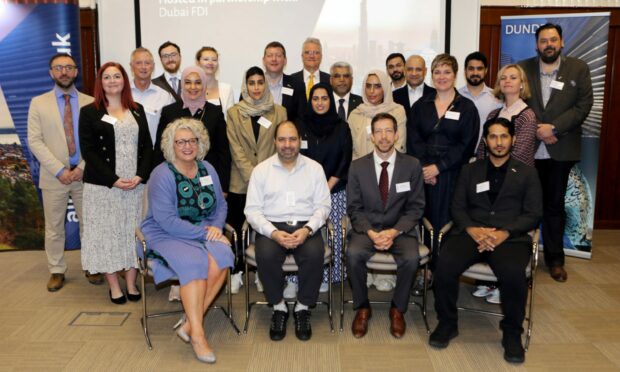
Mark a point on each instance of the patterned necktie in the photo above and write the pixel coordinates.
(341, 113)
(383, 183)
(173, 82)
(68, 124)
(310, 85)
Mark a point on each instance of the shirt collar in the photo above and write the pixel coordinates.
(60, 94)
(133, 86)
(502, 168)
(346, 97)
(378, 160)
(555, 70)
(316, 74)
(279, 82)
(168, 75)
(298, 164)
(418, 89)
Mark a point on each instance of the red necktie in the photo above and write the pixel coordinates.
(68, 124)
(383, 183)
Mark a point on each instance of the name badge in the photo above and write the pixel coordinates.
(290, 198)
(559, 85)
(403, 187)
(304, 144)
(482, 187)
(206, 181)
(288, 91)
(368, 130)
(214, 101)
(453, 115)
(109, 119)
(264, 122)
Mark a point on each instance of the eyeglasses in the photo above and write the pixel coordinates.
(68, 68)
(312, 52)
(171, 55)
(339, 76)
(182, 142)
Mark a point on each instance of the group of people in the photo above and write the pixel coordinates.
(299, 149)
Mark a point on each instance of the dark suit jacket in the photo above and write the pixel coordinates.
(567, 108)
(517, 208)
(99, 150)
(213, 120)
(299, 95)
(354, 101)
(403, 210)
(161, 82)
(401, 96)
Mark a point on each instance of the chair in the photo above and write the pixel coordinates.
(289, 266)
(384, 261)
(145, 268)
(482, 271)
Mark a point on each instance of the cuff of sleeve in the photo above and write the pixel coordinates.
(60, 172)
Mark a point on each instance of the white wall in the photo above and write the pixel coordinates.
(465, 32)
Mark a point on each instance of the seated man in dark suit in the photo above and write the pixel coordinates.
(385, 201)
(497, 201)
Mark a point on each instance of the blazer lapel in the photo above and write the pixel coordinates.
(535, 85)
(395, 177)
(559, 77)
(248, 132)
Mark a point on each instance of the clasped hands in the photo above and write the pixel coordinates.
(384, 239)
(127, 183)
(487, 237)
(545, 134)
(67, 176)
(290, 240)
(430, 173)
(213, 233)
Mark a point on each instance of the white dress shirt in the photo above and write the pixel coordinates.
(153, 99)
(276, 194)
(317, 77)
(345, 104)
(177, 75)
(485, 102)
(379, 168)
(415, 93)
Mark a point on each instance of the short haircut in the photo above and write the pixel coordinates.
(195, 126)
(548, 26)
(382, 116)
(312, 40)
(58, 55)
(445, 59)
(166, 45)
(341, 64)
(254, 70)
(476, 56)
(206, 49)
(395, 55)
(275, 132)
(499, 121)
(275, 44)
(140, 50)
(101, 100)
(524, 93)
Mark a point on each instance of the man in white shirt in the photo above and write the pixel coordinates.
(152, 97)
(341, 81)
(287, 203)
(304, 80)
(170, 80)
(395, 68)
(415, 73)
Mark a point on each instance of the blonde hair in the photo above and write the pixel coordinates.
(195, 126)
(524, 93)
(445, 59)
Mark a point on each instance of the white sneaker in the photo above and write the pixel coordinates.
(384, 282)
(324, 287)
(482, 291)
(290, 291)
(175, 293)
(236, 281)
(259, 285)
(370, 279)
(494, 297)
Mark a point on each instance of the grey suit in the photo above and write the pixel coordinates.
(402, 212)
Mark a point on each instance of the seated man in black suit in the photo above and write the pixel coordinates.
(341, 80)
(497, 201)
(385, 201)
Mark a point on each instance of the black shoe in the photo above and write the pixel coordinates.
(119, 300)
(277, 330)
(418, 285)
(303, 331)
(134, 297)
(441, 336)
(513, 350)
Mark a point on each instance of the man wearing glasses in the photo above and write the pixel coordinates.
(311, 56)
(53, 139)
(341, 80)
(170, 80)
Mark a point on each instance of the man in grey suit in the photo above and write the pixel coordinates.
(53, 139)
(385, 201)
(561, 98)
(341, 81)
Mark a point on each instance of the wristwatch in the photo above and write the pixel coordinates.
(310, 231)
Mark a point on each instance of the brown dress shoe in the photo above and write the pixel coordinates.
(397, 323)
(56, 282)
(360, 323)
(95, 279)
(558, 273)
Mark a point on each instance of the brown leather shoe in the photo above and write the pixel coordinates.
(558, 273)
(360, 323)
(95, 279)
(397, 323)
(56, 282)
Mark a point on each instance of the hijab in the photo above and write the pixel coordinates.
(249, 106)
(194, 104)
(368, 109)
(321, 124)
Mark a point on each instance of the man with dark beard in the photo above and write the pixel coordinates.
(476, 90)
(561, 98)
(53, 139)
(395, 68)
(170, 80)
(496, 203)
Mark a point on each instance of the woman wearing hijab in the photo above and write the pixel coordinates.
(250, 128)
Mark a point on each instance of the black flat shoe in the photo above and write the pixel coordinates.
(134, 297)
(119, 300)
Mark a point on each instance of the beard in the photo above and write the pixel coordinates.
(474, 83)
(65, 85)
(499, 155)
(549, 58)
(397, 75)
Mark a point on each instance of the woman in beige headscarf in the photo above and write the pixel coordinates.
(377, 97)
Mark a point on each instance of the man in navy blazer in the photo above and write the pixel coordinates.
(415, 72)
(311, 56)
(279, 83)
(561, 98)
(385, 201)
(496, 203)
(341, 80)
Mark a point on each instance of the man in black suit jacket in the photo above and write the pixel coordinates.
(415, 72)
(311, 56)
(170, 55)
(561, 98)
(280, 84)
(341, 80)
(496, 203)
(385, 201)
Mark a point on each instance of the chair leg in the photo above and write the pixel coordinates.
(144, 319)
(330, 298)
(247, 299)
(229, 312)
(342, 268)
(424, 299)
(530, 318)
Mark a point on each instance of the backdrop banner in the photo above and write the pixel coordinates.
(585, 37)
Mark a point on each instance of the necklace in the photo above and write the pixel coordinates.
(201, 203)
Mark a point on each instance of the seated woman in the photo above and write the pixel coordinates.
(184, 225)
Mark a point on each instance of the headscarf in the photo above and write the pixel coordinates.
(368, 109)
(249, 106)
(193, 104)
(321, 124)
